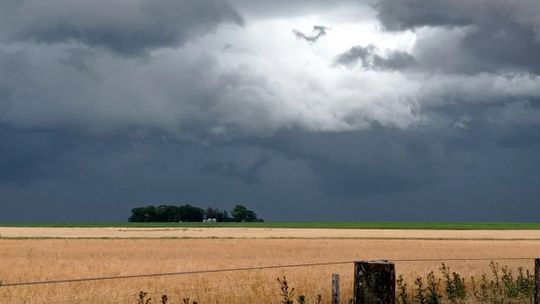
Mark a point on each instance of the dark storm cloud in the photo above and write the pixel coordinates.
(433, 172)
(124, 26)
(359, 181)
(521, 137)
(78, 59)
(91, 91)
(249, 175)
(351, 166)
(402, 15)
(369, 58)
(27, 155)
(318, 32)
(286, 8)
(412, 171)
(447, 130)
(494, 35)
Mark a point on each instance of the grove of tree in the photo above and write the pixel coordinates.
(189, 213)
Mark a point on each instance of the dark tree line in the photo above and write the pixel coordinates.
(188, 213)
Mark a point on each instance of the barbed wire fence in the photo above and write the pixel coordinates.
(209, 271)
(122, 297)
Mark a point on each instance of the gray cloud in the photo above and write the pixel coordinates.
(249, 115)
(27, 155)
(318, 32)
(495, 35)
(376, 174)
(285, 8)
(186, 93)
(124, 26)
(248, 175)
(402, 15)
(369, 58)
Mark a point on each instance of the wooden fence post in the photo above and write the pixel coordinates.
(537, 281)
(335, 288)
(374, 282)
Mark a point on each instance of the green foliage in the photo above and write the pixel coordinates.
(419, 295)
(188, 213)
(454, 285)
(424, 294)
(484, 288)
(219, 215)
(526, 284)
(517, 288)
(433, 295)
(165, 214)
(501, 286)
(242, 214)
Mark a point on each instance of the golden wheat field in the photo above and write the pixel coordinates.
(50, 259)
(265, 233)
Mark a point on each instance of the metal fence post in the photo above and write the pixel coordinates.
(335, 288)
(374, 282)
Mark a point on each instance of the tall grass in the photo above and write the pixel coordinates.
(500, 286)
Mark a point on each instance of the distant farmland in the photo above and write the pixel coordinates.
(323, 225)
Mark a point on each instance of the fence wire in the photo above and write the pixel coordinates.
(118, 298)
(193, 272)
(164, 274)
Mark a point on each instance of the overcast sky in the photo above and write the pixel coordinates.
(301, 110)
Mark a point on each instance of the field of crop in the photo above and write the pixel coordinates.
(304, 225)
(263, 233)
(50, 259)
